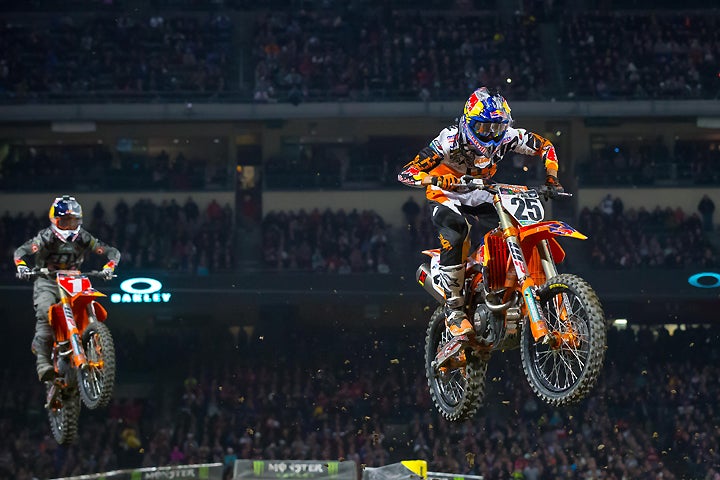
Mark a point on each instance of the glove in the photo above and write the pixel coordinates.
(23, 272)
(553, 186)
(446, 182)
(107, 273)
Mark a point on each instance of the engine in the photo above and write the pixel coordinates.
(495, 322)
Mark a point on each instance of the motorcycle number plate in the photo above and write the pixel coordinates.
(526, 207)
(73, 285)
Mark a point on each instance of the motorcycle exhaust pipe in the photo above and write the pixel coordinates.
(422, 275)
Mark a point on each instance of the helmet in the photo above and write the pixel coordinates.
(65, 217)
(484, 122)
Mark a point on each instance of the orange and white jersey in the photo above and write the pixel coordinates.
(446, 155)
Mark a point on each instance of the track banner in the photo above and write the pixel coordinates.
(205, 471)
(290, 469)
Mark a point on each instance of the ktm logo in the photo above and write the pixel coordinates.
(444, 244)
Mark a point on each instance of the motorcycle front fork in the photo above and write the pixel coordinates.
(528, 289)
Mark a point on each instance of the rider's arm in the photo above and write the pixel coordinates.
(415, 173)
(101, 248)
(530, 143)
(29, 248)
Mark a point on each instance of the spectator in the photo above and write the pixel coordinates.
(606, 205)
(411, 211)
(706, 207)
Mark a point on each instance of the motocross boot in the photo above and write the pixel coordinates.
(451, 280)
(45, 368)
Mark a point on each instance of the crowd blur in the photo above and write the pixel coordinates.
(349, 165)
(178, 236)
(332, 241)
(165, 235)
(360, 50)
(100, 56)
(642, 238)
(366, 53)
(645, 55)
(100, 167)
(651, 162)
(657, 237)
(364, 398)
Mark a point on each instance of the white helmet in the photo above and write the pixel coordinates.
(65, 218)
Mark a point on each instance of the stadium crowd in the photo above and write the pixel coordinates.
(103, 168)
(633, 238)
(641, 55)
(377, 53)
(179, 237)
(210, 396)
(326, 241)
(329, 51)
(103, 56)
(641, 238)
(151, 235)
(364, 398)
(650, 162)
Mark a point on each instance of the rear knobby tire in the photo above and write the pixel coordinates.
(97, 381)
(457, 392)
(64, 415)
(565, 375)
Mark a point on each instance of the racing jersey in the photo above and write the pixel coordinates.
(446, 155)
(52, 253)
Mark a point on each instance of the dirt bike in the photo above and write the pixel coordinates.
(515, 298)
(83, 352)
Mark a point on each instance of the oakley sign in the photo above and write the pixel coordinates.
(140, 290)
(705, 280)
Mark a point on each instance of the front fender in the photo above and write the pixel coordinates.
(80, 304)
(530, 235)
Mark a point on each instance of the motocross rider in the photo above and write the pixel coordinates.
(480, 139)
(61, 246)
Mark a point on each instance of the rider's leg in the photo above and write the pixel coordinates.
(44, 295)
(453, 231)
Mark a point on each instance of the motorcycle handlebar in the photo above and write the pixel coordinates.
(471, 183)
(51, 274)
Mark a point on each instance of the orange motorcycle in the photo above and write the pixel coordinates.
(516, 298)
(83, 352)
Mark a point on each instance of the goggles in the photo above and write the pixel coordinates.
(68, 222)
(489, 131)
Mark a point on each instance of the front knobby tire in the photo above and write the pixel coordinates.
(64, 414)
(97, 380)
(458, 390)
(564, 374)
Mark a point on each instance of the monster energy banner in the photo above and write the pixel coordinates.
(405, 470)
(262, 469)
(207, 471)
